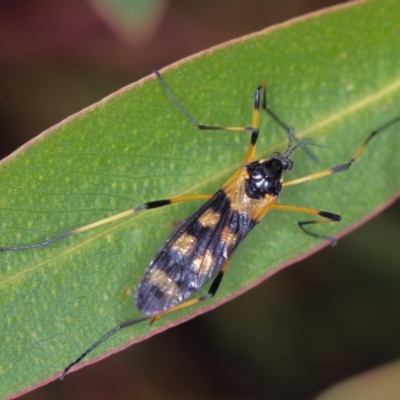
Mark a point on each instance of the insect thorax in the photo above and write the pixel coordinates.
(265, 176)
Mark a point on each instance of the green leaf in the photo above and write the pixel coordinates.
(334, 76)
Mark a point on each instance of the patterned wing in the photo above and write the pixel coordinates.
(192, 256)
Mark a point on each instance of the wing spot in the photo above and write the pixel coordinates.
(184, 244)
(167, 286)
(209, 218)
(227, 237)
(203, 264)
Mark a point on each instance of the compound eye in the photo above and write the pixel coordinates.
(287, 164)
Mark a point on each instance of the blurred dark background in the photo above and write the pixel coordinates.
(311, 325)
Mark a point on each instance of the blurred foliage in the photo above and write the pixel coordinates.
(131, 20)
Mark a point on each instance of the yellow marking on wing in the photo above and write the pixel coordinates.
(184, 244)
(203, 264)
(209, 218)
(228, 237)
(164, 282)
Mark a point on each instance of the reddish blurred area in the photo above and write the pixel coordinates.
(58, 57)
(302, 330)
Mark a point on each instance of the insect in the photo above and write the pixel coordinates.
(200, 249)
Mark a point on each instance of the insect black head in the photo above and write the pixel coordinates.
(265, 176)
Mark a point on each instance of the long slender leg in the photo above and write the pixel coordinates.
(346, 166)
(211, 292)
(327, 217)
(253, 129)
(147, 206)
(289, 130)
(101, 340)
